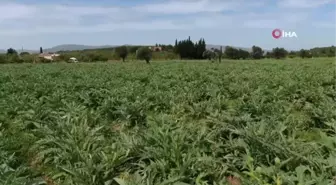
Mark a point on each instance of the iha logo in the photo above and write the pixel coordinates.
(277, 33)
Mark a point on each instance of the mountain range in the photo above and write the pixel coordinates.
(73, 47)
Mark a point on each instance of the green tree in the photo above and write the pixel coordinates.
(176, 47)
(190, 50)
(11, 51)
(315, 54)
(231, 53)
(268, 54)
(303, 53)
(133, 49)
(332, 52)
(323, 51)
(306, 53)
(24, 53)
(200, 47)
(144, 53)
(219, 53)
(257, 52)
(279, 53)
(208, 54)
(292, 54)
(122, 52)
(168, 48)
(242, 54)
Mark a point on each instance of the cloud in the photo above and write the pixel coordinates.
(324, 25)
(13, 11)
(192, 7)
(304, 3)
(261, 24)
(23, 19)
(154, 25)
(274, 20)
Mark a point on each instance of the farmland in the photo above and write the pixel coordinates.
(258, 122)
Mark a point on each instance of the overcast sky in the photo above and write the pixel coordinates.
(34, 23)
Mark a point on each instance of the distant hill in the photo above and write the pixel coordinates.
(74, 47)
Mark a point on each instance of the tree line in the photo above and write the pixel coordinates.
(183, 49)
(101, 55)
(187, 49)
(276, 53)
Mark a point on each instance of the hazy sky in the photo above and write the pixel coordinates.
(34, 23)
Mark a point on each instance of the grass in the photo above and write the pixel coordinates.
(168, 123)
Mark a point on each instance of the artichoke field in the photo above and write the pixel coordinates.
(168, 123)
